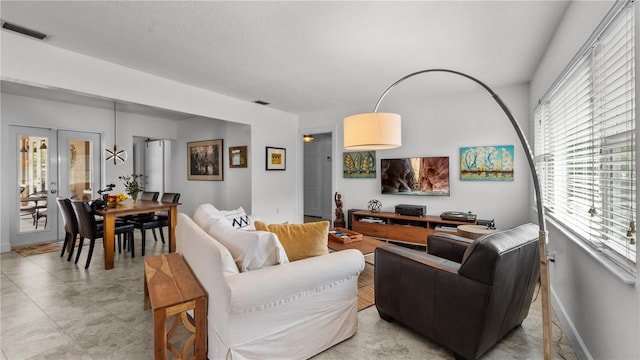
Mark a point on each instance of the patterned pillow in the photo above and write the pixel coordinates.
(238, 218)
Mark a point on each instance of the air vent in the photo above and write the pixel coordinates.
(24, 31)
(260, 102)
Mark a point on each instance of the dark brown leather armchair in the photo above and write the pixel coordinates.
(465, 295)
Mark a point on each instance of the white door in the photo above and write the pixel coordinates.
(313, 179)
(34, 187)
(50, 164)
(154, 166)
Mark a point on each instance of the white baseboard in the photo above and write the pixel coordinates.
(569, 329)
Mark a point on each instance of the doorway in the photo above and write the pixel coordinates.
(49, 164)
(317, 177)
(151, 158)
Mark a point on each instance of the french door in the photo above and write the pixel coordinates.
(49, 163)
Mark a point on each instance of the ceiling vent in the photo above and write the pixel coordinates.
(260, 102)
(24, 31)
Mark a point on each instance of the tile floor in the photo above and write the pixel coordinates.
(54, 309)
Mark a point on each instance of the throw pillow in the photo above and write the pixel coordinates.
(251, 250)
(238, 217)
(300, 241)
(206, 214)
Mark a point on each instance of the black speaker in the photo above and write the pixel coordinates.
(349, 212)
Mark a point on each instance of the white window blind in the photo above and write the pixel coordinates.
(585, 142)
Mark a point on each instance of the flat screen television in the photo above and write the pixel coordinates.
(415, 176)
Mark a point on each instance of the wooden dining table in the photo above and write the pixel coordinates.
(128, 207)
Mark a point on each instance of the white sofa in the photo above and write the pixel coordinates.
(293, 310)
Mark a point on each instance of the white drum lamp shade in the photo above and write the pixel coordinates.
(372, 131)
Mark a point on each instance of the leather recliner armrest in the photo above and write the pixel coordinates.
(420, 257)
(450, 247)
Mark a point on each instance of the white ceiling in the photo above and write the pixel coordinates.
(302, 56)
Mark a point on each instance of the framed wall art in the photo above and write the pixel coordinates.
(415, 176)
(237, 156)
(204, 160)
(276, 158)
(359, 164)
(486, 163)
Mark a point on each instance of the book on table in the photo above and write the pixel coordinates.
(344, 235)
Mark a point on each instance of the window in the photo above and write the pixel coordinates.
(585, 142)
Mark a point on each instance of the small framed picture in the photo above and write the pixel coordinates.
(237, 156)
(204, 160)
(276, 158)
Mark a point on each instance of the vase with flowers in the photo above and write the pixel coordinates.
(133, 185)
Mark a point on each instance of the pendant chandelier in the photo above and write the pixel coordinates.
(118, 156)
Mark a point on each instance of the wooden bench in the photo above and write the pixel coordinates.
(170, 288)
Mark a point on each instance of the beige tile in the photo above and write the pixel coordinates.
(54, 309)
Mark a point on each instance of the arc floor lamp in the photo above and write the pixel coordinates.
(382, 131)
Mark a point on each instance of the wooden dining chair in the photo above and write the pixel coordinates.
(88, 228)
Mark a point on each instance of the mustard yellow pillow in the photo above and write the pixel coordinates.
(300, 241)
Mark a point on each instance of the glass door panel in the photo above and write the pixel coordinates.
(80, 165)
(80, 169)
(33, 182)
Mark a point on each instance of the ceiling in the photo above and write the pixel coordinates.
(302, 56)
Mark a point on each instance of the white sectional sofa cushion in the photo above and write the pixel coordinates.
(289, 311)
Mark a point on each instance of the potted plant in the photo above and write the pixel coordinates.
(133, 185)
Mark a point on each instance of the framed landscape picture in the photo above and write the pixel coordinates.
(204, 160)
(276, 158)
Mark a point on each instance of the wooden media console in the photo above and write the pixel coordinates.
(402, 228)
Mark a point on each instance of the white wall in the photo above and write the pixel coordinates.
(439, 127)
(590, 299)
(238, 180)
(235, 190)
(273, 193)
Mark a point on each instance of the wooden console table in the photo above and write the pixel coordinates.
(409, 229)
(170, 288)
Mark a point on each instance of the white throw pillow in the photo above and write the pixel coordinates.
(251, 250)
(238, 217)
(206, 214)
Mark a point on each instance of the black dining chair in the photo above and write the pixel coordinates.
(145, 221)
(149, 195)
(70, 226)
(88, 228)
(145, 195)
(157, 221)
(163, 216)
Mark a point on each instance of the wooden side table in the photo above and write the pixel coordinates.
(170, 288)
(473, 231)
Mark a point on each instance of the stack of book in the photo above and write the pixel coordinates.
(372, 220)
